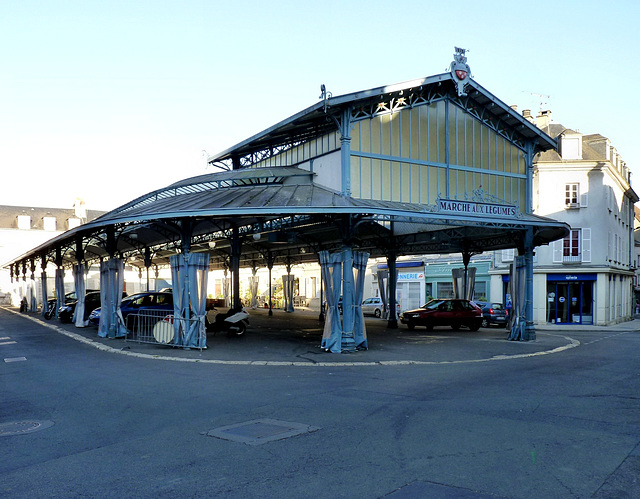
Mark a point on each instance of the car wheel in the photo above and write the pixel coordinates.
(377, 313)
(485, 323)
(411, 326)
(474, 326)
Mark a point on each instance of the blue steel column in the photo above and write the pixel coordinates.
(43, 266)
(270, 262)
(348, 343)
(236, 244)
(345, 151)
(392, 257)
(530, 332)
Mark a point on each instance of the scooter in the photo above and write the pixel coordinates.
(51, 309)
(234, 322)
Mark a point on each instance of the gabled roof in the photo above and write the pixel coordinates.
(281, 211)
(314, 121)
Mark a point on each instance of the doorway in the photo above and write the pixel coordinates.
(570, 302)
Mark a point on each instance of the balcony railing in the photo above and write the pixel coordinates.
(572, 259)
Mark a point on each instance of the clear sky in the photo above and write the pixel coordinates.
(108, 100)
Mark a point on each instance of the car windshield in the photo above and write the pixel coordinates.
(497, 306)
(433, 304)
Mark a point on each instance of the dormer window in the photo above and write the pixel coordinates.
(24, 222)
(49, 223)
(571, 146)
(73, 222)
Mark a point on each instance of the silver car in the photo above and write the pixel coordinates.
(374, 306)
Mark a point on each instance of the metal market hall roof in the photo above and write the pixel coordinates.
(280, 212)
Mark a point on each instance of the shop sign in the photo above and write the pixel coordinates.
(475, 208)
(411, 276)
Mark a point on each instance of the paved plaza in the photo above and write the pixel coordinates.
(420, 414)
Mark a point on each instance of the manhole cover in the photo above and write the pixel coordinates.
(22, 427)
(260, 431)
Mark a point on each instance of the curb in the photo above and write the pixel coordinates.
(571, 343)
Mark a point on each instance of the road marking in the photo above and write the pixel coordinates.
(15, 359)
(8, 343)
(5, 338)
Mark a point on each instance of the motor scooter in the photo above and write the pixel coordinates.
(234, 322)
(51, 309)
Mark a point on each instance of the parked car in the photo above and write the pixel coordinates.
(494, 313)
(91, 302)
(453, 313)
(147, 301)
(69, 297)
(375, 307)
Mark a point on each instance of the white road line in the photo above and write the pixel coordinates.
(8, 342)
(15, 359)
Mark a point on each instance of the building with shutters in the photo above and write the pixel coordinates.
(588, 276)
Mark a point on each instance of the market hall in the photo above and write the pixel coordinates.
(432, 166)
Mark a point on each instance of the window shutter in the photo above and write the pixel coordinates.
(583, 200)
(586, 245)
(557, 251)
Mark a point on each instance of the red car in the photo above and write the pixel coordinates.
(454, 313)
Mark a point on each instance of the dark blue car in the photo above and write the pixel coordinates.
(494, 314)
(151, 301)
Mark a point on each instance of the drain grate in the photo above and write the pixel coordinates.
(22, 427)
(260, 431)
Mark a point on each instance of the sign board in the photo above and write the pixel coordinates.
(475, 208)
(411, 276)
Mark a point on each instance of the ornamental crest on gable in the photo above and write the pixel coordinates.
(460, 70)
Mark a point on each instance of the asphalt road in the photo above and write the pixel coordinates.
(91, 422)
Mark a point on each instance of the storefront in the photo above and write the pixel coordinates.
(439, 281)
(410, 288)
(570, 298)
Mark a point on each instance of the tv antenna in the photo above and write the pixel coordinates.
(544, 99)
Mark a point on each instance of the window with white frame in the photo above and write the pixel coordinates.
(508, 255)
(572, 194)
(574, 248)
(571, 244)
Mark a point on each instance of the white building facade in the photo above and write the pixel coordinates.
(587, 277)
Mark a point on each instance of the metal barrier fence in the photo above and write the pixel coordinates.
(157, 327)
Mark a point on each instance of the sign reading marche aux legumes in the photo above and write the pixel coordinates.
(475, 208)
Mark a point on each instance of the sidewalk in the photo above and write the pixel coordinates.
(633, 325)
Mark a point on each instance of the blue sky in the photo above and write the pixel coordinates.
(109, 100)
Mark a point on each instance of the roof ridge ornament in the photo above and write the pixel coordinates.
(325, 96)
(460, 70)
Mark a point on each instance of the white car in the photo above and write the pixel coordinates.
(374, 306)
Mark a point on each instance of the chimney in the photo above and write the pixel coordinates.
(543, 120)
(526, 114)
